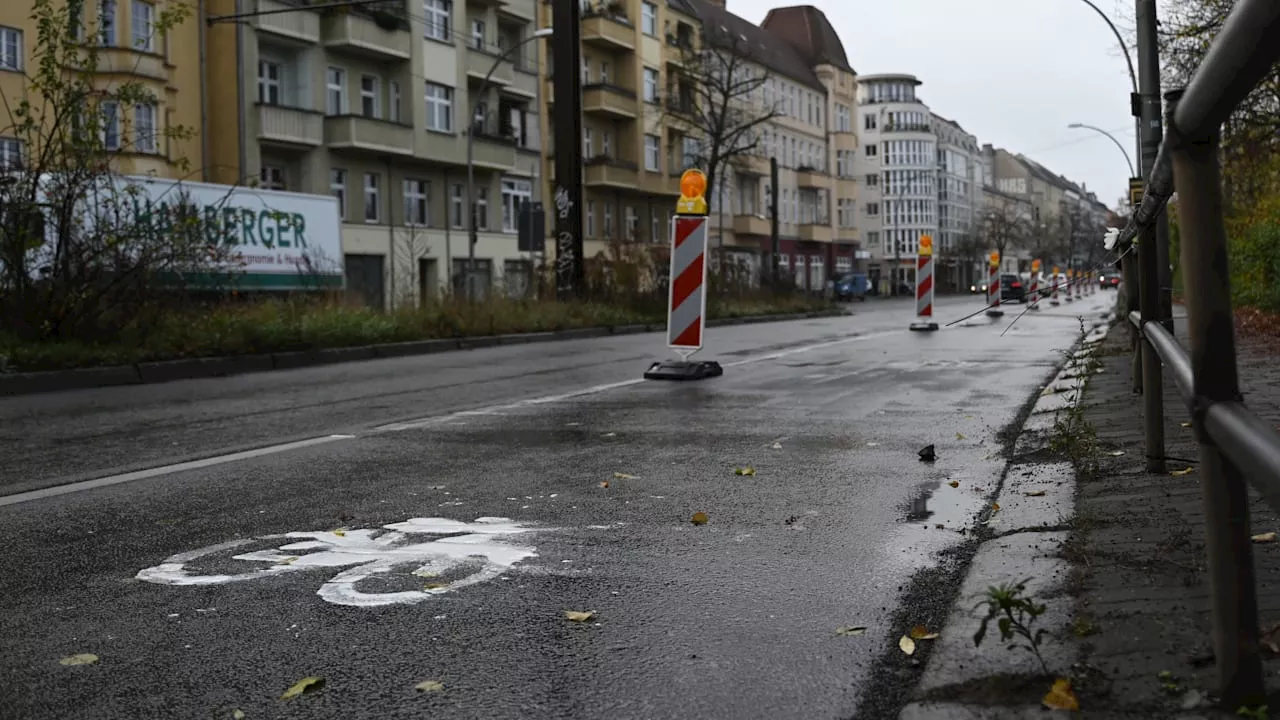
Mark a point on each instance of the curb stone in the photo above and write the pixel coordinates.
(29, 383)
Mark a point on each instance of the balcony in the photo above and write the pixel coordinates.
(658, 183)
(906, 127)
(125, 61)
(811, 178)
(752, 165)
(609, 101)
(289, 126)
(479, 63)
(296, 24)
(381, 39)
(362, 133)
(608, 32)
(814, 233)
(603, 171)
(751, 225)
(494, 150)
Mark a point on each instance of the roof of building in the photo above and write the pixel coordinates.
(807, 29)
(682, 6)
(889, 77)
(724, 29)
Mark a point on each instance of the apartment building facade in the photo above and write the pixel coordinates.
(898, 163)
(160, 137)
(375, 107)
(960, 178)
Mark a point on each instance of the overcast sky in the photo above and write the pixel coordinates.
(1012, 72)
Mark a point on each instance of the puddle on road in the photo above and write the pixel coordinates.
(937, 503)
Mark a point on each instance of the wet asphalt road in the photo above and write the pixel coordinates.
(732, 619)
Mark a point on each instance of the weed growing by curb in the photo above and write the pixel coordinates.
(1015, 615)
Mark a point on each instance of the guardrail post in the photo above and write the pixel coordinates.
(1210, 325)
(1129, 271)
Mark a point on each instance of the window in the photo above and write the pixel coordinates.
(10, 49)
(143, 19)
(632, 222)
(648, 18)
(591, 219)
(437, 14)
(873, 180)
(269, 82)
(144, 128)
(416, 198)
(870, 150)
(655, 228)
(272, 177)
(515, 193)
(650, 85)
(338, 187)
(588, 143)
(604, 72)
(482, 208)
(457, 201)
(371, 197)
(10, 154)
(869, 121)
(608, 221)
(369, 85)
(335, 94)
(606, 144)
(107, 22)
(477, 34)
(394, 102)
(873, 209)
(651, 143)
(110, 125)
(439, 107)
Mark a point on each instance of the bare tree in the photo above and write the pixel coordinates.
(966, 252)
(411, 245)
(1003, 226)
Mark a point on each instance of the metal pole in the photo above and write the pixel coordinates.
(566, 18)
(1213, 363)
(1148, 241)
(773, 219)
(1153, 133)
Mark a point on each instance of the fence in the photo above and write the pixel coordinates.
(1237, 449)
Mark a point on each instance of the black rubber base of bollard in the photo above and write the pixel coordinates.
(995, 313)
(924, 327)
(683, 370)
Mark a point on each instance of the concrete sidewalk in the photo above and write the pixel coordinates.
(1120, 566)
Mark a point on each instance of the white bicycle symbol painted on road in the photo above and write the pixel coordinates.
(474, 546)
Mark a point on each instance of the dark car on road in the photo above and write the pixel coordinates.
(1109, 281)
(1012, 289)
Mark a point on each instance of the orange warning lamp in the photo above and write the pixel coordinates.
(995, 259)
(926, 245)
(693, 189)
(1035, 266)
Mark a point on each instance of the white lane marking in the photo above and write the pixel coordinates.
(596, 389)
(366, 553)
(166, 469)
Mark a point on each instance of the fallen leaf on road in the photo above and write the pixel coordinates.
(748, 470)
(434, 586)
(429, 686)
(1186, 424)
(577, 616)
(995, 507)
(921, 632)
(79, 659)
(303, 686)
(1117, 453)
(1034, 493)
(1047, 391)
(1268, 537)
(959, 436)
(1060, 697)
(907, 645)
(851, 630)
(237, 714)
(340, 532)
(1180, 473)
(777, 446)
(699, 518)
(611, 434)
(287, 561)
(624, 476)
(954, 483)
(604, 483)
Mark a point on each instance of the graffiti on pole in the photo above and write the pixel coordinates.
(565, 256)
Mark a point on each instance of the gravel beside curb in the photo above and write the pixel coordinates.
(192, 368)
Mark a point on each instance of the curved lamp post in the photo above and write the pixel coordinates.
(1110, 137)
(1133, 80)
(472, 233)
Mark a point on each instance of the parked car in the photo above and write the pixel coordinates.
(1012, 289)
(1109, 280)
(851, 286)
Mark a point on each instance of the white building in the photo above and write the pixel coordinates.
(960, 178)
(898, 165)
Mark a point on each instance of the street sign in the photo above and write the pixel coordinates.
(1136, 188)
(531, 224)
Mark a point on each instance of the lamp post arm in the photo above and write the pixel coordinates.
(1133, 77)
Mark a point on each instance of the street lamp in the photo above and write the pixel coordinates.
(1133, 80)
(471, 168)
(1112, 138)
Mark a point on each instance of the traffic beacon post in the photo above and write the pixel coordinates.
(1053, 297)
(993, 286)
(1035, 285)
(687, 286)
(924, 286)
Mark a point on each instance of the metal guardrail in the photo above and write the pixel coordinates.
(1237, 449)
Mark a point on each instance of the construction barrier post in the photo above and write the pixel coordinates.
(687, 293)
(993, 286)
(1071, 285)
(924, 286)
(1035, 285)
(1079, 284)
(1053, 296)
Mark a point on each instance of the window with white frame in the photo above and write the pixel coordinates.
(439, 107)
(271, 177)
(143, 26)
(606, 144)
(873, 209)
(648, 18)
(110, 125)
(372, 198)
(10, 48)
(870, 150)
(604, 72)
(107, 22)
(608, 221)
(632, 220)
(651, 152)
(650, 85)
(482, 208)
(591, 219)
(338, 188)
(655, 225)
(417, 197)
(514, 194)
(873, 179)
(588, 144)
(335, 91)
(477, 34)
(269, 82)
(10, 154)
(438, 18)
(393, 106)
(369, 92)
(457, 205)
(144, 128)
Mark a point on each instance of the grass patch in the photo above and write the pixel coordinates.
(281, 325)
